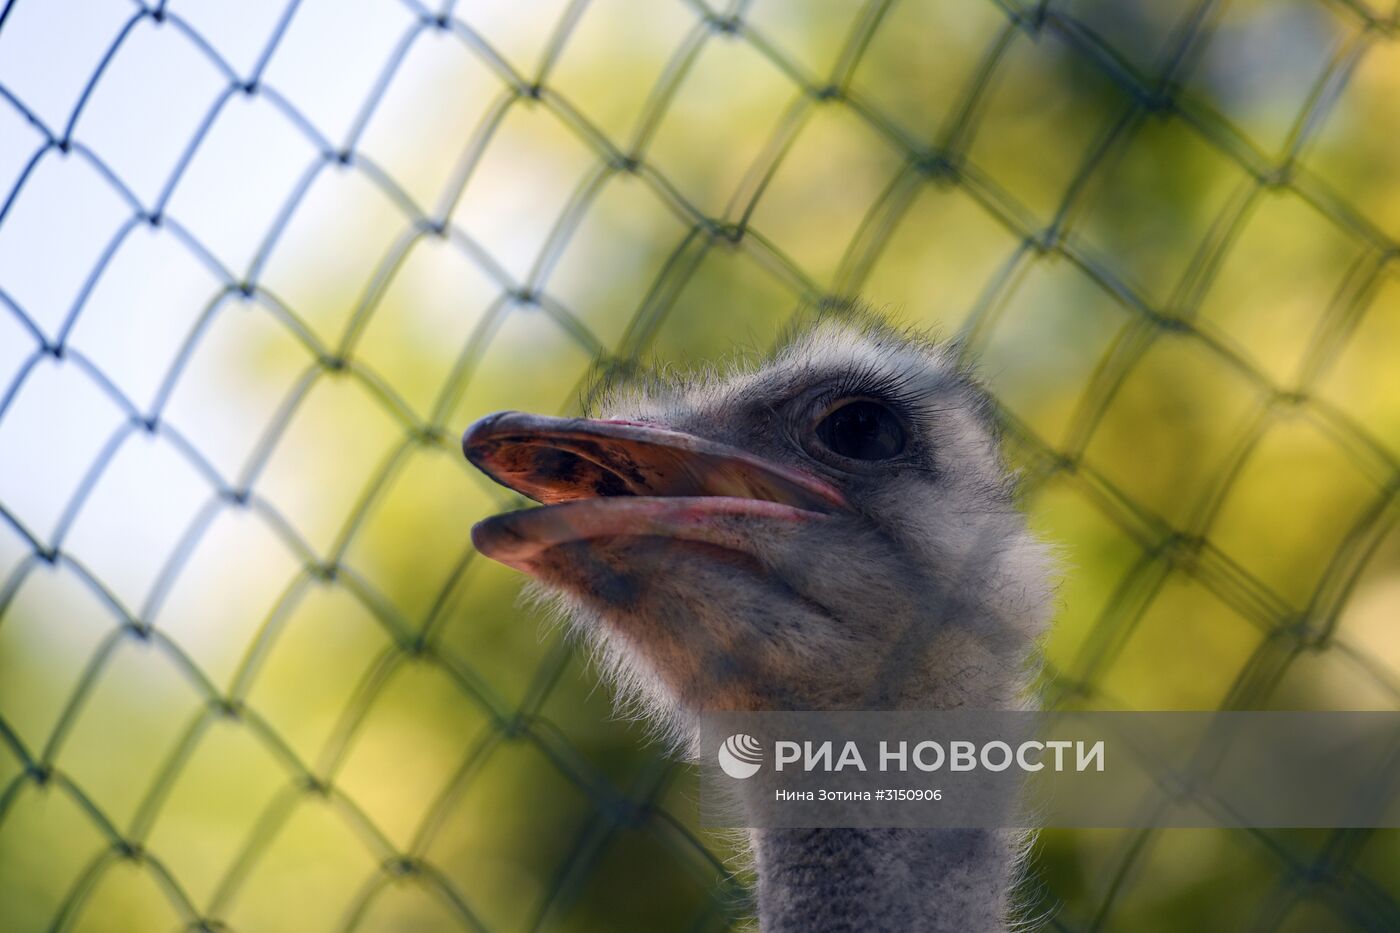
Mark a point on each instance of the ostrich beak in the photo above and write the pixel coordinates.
(607, 479)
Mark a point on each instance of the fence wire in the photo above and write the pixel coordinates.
(1151, 93)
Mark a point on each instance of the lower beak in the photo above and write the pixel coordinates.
(612, 478)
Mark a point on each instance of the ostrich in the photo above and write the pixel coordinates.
(830, 528)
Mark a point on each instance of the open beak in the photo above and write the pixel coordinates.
(605, 479)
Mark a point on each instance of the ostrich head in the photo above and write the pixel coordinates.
(829, 528)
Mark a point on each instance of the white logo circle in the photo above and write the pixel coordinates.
(740, 756)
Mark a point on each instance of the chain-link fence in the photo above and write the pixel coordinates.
(261, 263)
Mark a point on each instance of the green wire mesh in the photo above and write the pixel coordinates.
(1168, 230)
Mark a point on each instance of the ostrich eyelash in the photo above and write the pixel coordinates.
(888, 388)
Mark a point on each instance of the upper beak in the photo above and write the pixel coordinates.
(684, 480)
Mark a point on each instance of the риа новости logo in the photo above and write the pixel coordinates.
(740, 756)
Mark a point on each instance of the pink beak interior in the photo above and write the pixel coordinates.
(686, 486)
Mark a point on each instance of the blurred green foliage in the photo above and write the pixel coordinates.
(1167, 230)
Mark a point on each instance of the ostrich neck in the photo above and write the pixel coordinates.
(830, 880)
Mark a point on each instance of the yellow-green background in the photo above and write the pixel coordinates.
(1169, 231)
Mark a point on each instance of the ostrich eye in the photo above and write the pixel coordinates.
(862, 430)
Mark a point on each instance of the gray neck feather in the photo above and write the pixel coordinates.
(833, 880)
